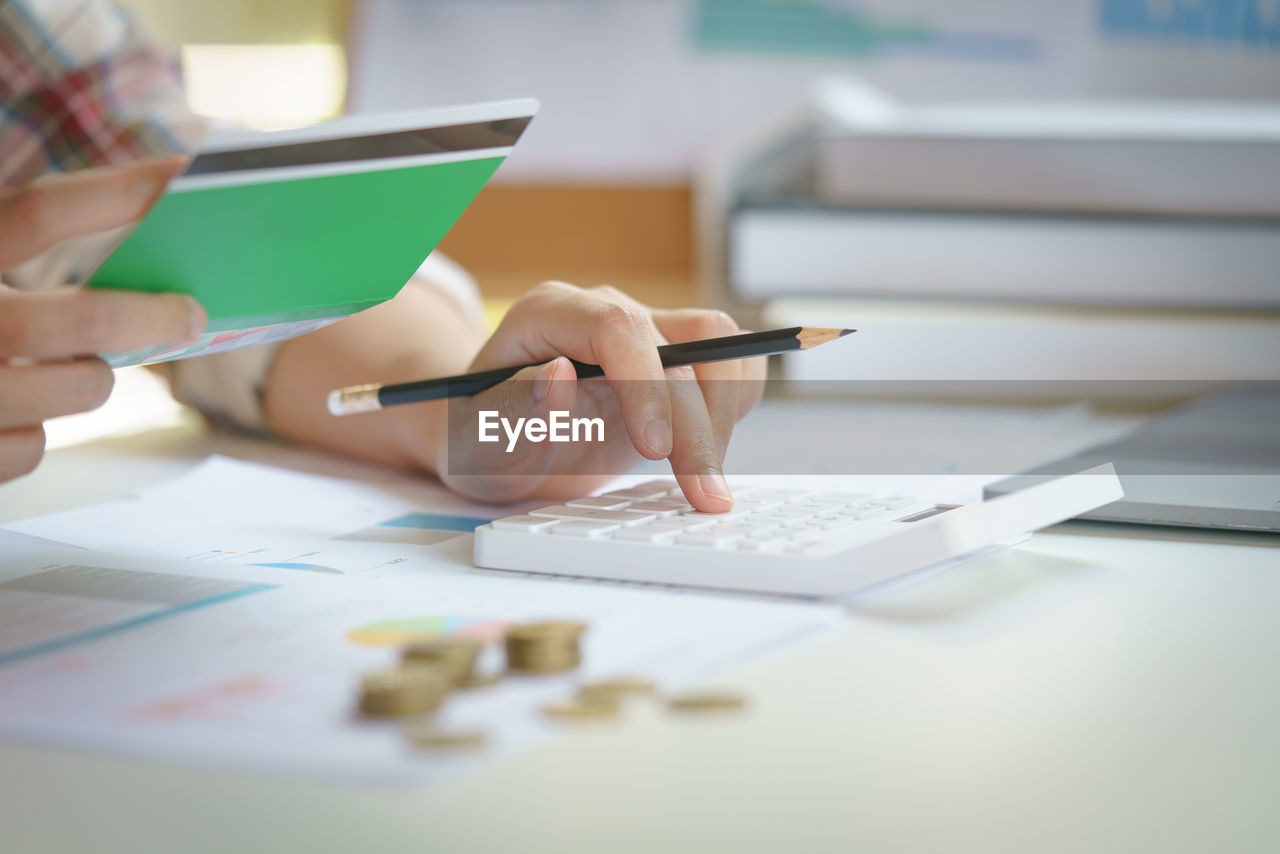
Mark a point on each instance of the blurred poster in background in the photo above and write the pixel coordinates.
(639, 89)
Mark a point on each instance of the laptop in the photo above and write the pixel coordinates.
(1214, 463)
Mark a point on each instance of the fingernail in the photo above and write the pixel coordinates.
(657, 435)
(542, 381)
(713, 484)
(199, 319)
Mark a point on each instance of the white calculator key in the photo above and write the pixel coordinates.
(620, 517)
(778, 494)
(735, 513)
(784, 514)
(599, 502)
(737, 528)
(763, 530)
(653, 489)
(869, 512)
(662, 507)
(658, 487)
(837, 523)
(755, 504)
(711, 539)
(528, 524)
(682, 523)
(895, 502)
(646, 534)
(839, 497)
(583, 528)
(818, 511)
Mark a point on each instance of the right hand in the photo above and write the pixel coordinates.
(49, 340)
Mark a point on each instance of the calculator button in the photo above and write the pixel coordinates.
(645, 491)
(755, 504)
(528, 524)
(784, 514)
(710, 539)
(895, 502)
(735, 513)
(599, 502)
(646, 534)
(658, 487)
(661, 507)
(779, 494)
(621, 517)
(819, 511)
(742, 529)
(839, 497)
(682, 523)
(870, 511)
(583, 528)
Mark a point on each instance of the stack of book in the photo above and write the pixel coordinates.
(1119, 204)
(1148, 214)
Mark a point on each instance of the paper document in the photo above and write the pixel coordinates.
(256, 668)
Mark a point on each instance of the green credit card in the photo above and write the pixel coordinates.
(279, 234)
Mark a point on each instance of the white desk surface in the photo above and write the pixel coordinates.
(1095, 689)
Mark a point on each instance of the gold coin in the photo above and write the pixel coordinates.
(430, 738)
(544, 662)
(578, 710)
(615, 689)
(546, 630)
(457, 655)
(707, 701)
(402, 692)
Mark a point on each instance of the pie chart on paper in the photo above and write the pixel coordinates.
(407, 630)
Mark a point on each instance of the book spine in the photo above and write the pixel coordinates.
(1238, 178)
(1076, 260)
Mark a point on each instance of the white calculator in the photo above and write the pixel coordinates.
(790, 541)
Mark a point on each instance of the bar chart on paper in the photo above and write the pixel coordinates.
(62, 606)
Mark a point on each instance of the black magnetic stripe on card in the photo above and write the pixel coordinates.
(476, 136)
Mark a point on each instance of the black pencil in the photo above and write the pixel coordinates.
(372, 397)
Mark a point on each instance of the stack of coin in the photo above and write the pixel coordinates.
(544, 647)
(403, 691)
(457, 656)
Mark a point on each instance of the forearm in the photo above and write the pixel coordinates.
(421, 333)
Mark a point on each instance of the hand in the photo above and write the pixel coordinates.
(683, 414)
(48, 340)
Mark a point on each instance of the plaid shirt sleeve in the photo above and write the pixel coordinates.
(80, 87)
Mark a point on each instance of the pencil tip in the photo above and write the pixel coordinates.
(844, 332)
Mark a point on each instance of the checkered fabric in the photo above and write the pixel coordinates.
(80, 86)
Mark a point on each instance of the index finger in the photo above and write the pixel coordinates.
(38, 216)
